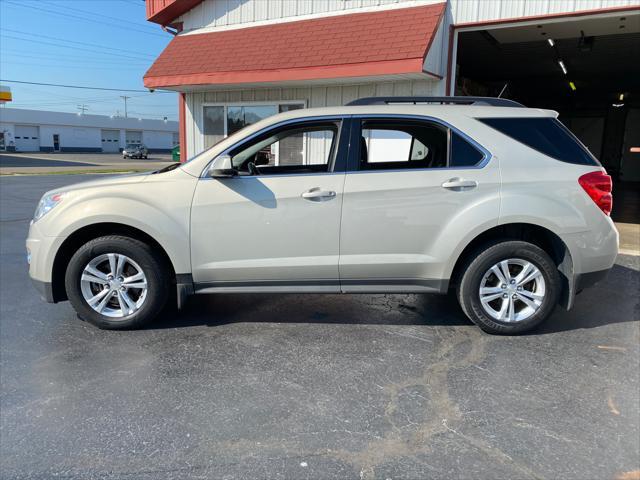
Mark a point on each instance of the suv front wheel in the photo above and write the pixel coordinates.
(117, 282)
(509, 287)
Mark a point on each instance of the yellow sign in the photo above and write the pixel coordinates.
(5, 94)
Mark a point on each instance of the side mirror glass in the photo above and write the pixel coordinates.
(222, 168)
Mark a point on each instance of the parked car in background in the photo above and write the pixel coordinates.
(135, 151)
(497, 202)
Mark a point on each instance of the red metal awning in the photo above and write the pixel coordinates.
(387, 42)
(165, 11)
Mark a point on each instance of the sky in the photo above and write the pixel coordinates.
(96, 43)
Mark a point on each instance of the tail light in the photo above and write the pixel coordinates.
(598, 186)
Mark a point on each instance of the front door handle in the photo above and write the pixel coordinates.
(457, 184)
(318, 195)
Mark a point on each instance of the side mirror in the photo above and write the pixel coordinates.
(222, 168)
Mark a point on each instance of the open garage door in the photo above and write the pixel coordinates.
(27, 138)
(584, 67)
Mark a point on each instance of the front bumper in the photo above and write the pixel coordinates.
(45, 290)
(41, 252)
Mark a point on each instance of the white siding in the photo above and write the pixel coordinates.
(465, 11)
(224, 13)
(221, 13)
(70, 137)
(316, 96)
(158, 140)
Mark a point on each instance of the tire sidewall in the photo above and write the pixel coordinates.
(470, 285)
(140, 253)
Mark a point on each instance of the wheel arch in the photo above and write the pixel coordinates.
(540, 236)
(90, 232)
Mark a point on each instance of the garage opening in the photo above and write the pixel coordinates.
(586, 68)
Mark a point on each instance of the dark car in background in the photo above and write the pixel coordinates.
(135, 151)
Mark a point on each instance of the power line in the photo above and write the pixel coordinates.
(125, 98)
(60, 65)
(67, 15)
(77, 86)
(72, 58)
(60, 100)
(78, 43)
(102, 16)
(70, 46)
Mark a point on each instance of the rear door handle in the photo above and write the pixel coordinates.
(459, 184)
(318, 195)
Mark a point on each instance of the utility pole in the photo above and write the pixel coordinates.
(124, 97)
(82, 108)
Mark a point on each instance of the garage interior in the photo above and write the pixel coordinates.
(586, 68)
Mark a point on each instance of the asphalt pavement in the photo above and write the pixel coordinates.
(312, 386)
(7, 160)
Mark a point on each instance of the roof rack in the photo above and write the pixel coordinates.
(492, 101)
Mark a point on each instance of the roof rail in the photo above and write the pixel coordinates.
(492, 101)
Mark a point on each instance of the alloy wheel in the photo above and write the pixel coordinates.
(512, 290)
(114, 285)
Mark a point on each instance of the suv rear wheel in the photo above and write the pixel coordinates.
(509, 287)
(117, 282)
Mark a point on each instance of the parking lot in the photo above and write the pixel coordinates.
(40, 162)
(311, 386)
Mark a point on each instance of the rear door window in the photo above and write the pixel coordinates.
(546, 135)
(392, 144)
(398, 144)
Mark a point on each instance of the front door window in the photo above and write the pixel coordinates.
(303, 148)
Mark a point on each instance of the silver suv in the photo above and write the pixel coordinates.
(482, 196)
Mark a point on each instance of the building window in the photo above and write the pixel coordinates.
(222, 120)
(214, 125)
(239, 116)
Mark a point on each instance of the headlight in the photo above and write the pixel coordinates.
(46, 204)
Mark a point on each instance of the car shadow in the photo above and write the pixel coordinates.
(606, 303)
(613, 300)
(367, 309)
(252, 189)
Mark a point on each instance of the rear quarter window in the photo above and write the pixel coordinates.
(546, 135)
(463, 154)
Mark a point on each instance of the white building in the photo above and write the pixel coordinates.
(236, 61)
(44, 131)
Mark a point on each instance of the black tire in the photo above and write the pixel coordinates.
(152, 264)
(483, 259)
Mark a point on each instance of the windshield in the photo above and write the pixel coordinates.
(131, 146)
